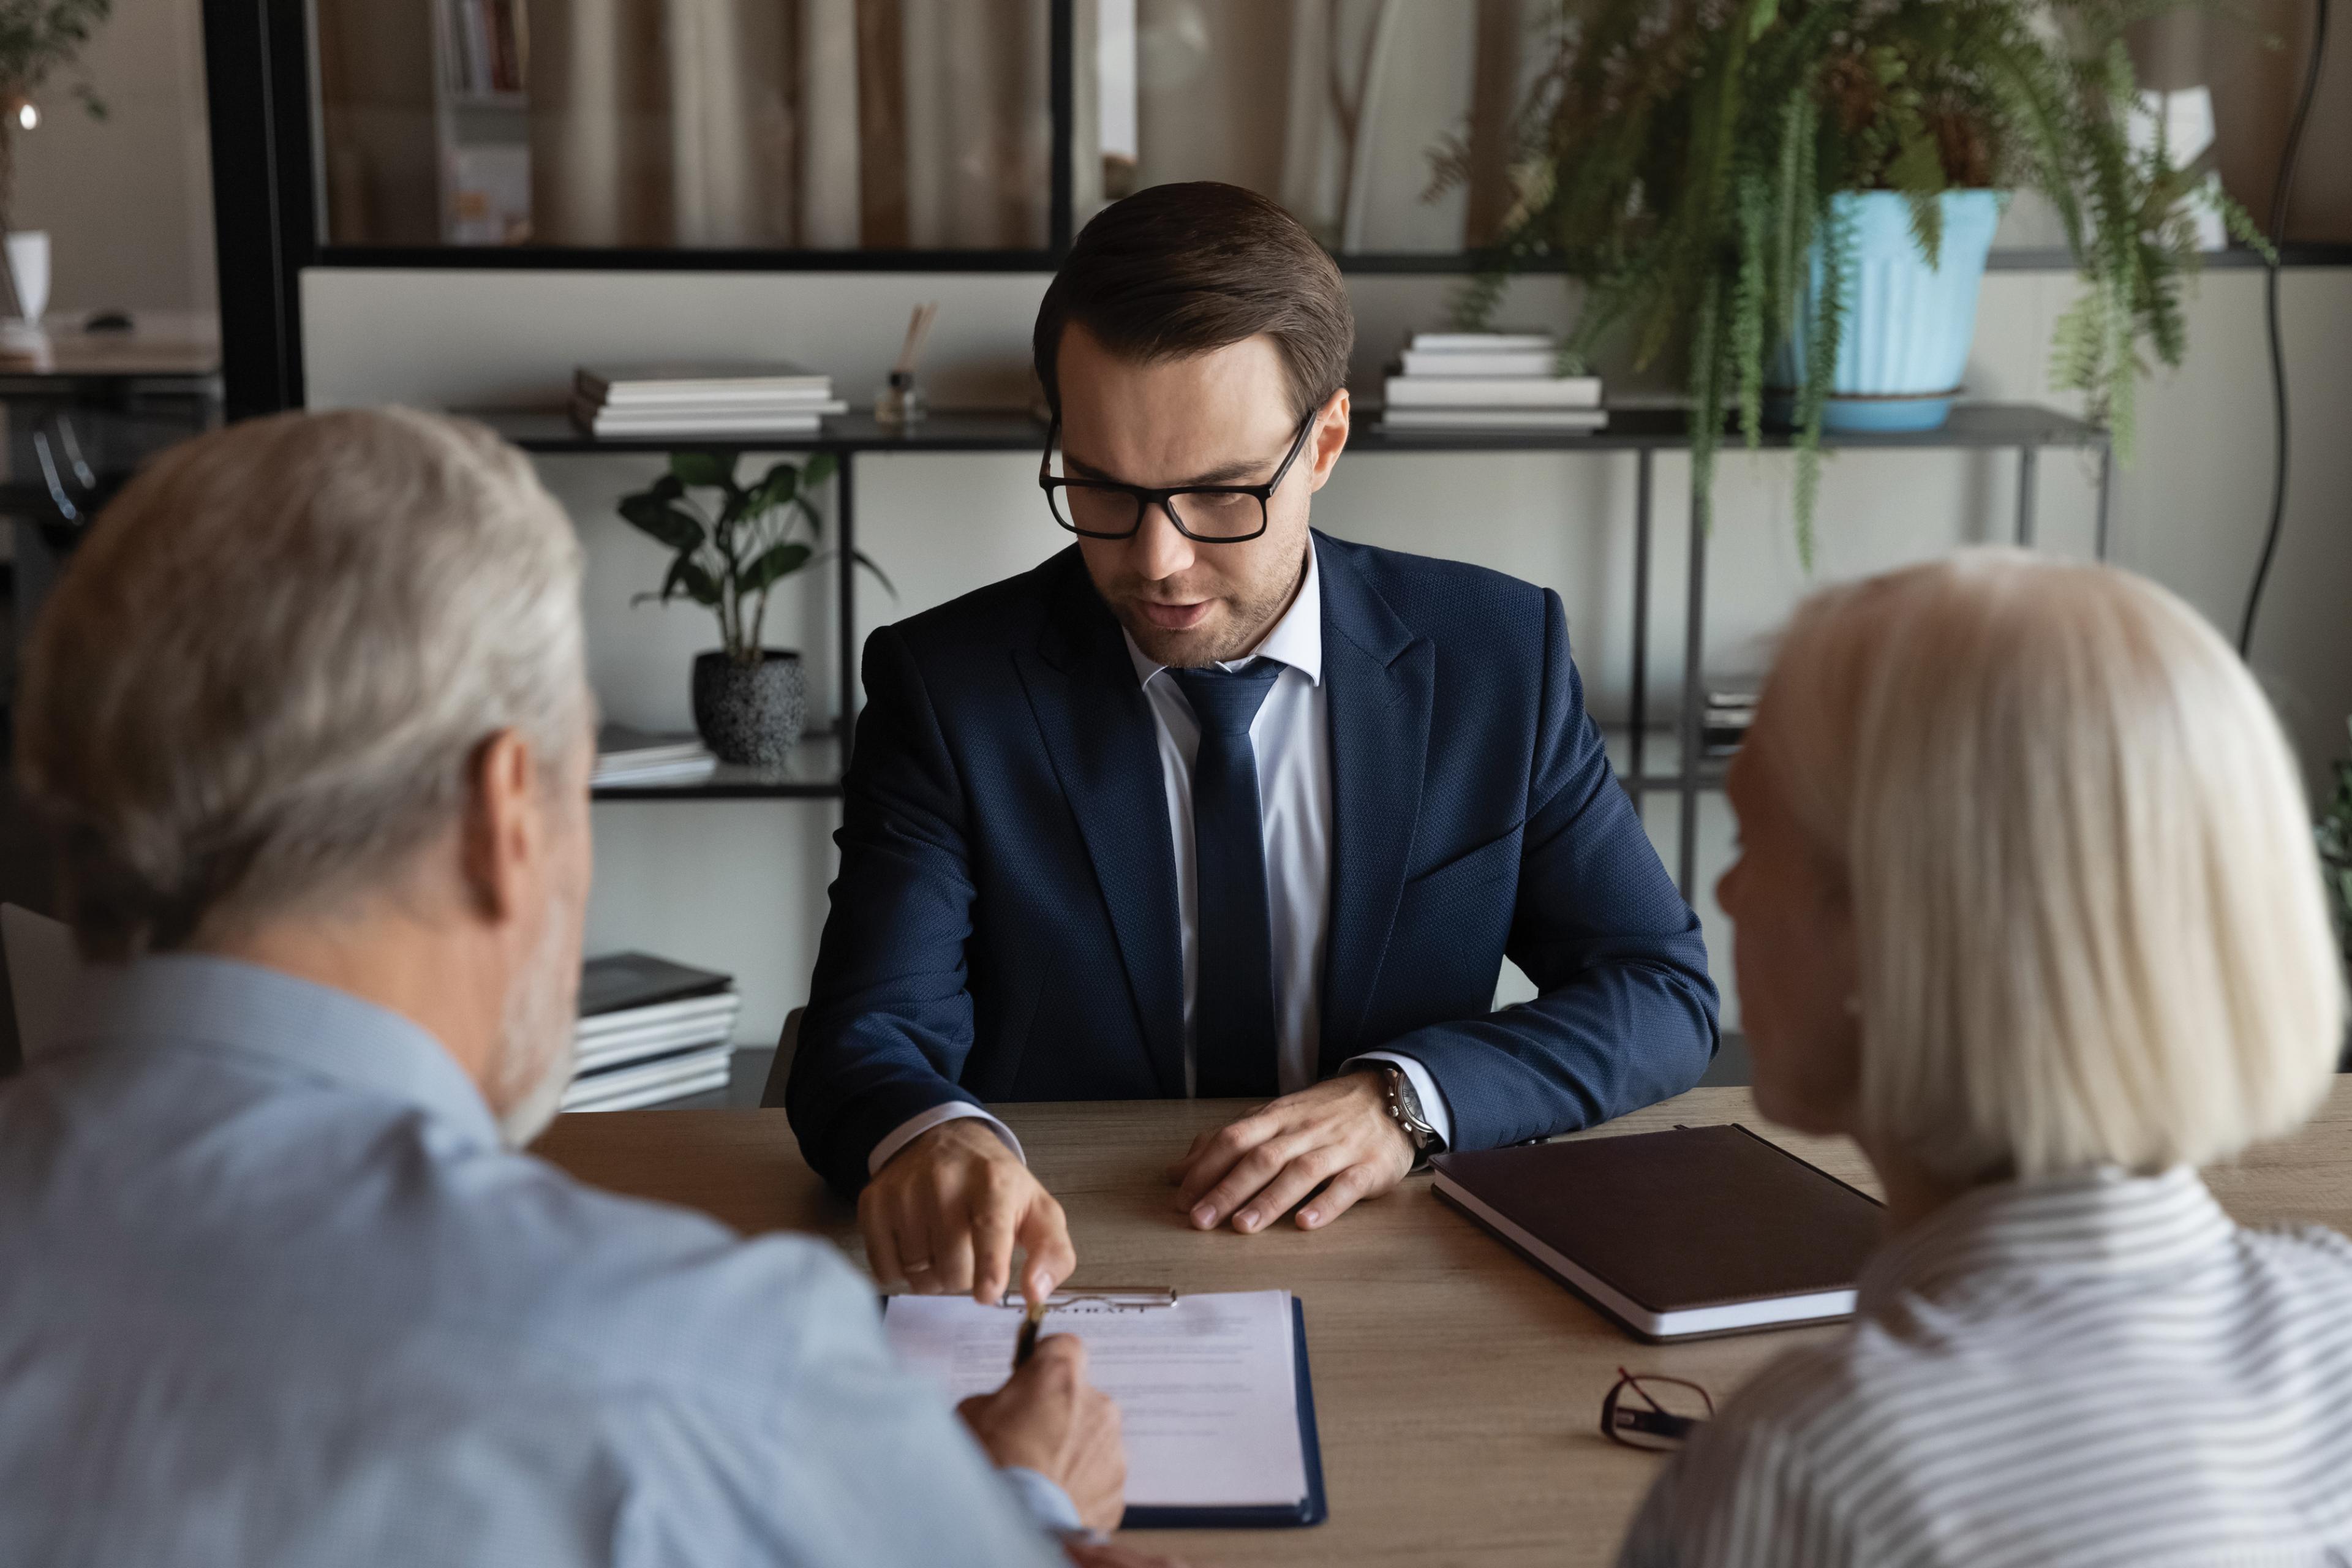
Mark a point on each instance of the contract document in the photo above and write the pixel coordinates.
(1215, 1406)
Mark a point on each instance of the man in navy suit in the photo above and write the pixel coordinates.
(1215, 805)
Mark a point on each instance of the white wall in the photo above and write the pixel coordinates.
(127, 200)
(740, 885)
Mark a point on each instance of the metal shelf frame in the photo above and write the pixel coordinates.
(2026, 429)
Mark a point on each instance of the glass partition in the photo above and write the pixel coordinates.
(844, 125)
(1337, 109)
(693, 124)
(840, 126)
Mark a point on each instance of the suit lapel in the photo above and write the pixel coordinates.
(1097, 729)
(1382, 678)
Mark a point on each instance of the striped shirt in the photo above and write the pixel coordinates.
(2096, 1369)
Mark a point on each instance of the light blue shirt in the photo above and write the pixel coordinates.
(271, 1292)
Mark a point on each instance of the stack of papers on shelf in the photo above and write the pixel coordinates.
(702, 398)
(1489, 381)
(1723, 724)
(650, 1031)
(627, 756)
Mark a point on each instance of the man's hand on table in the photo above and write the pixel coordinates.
(1338, 1131)
(944, 1213)
(1049, 1419)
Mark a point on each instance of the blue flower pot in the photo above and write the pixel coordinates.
(1908, 325)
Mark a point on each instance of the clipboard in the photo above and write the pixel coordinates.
(1312, 1508)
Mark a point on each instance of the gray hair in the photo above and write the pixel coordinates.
(261, 680)
(2086, 905)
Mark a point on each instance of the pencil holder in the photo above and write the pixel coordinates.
(901, 401)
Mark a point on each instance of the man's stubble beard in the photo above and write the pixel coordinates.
(538, 1037)
(1253, 615)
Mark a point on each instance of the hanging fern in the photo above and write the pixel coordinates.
(1682, 160)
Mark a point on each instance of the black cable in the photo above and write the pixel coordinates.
(2288, 156)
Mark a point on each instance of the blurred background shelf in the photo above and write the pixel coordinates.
(814, 773)
(1630, 429)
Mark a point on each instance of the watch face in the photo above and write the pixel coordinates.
(1408, 1101)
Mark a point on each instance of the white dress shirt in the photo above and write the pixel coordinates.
(1291, 737)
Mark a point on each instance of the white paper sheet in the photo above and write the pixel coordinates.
(1207, 1389)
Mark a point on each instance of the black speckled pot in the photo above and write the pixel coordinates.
(749, 713)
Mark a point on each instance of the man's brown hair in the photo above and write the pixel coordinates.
(1181, 270)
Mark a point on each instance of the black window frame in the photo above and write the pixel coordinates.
(265, 141)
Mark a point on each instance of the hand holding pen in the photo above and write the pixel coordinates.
(1024, 1345)
(1049, 1419)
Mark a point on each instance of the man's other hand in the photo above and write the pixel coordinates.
(944, 1213)
(1049, 1419)
(1252, 1172)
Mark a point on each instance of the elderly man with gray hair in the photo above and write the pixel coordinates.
(310, 719)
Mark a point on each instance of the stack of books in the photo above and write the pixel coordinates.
(690, 399)
(1723, 724)
(627, 756)
(1489, 381)
(650, 1031)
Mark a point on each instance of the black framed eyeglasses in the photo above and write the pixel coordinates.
(1211, 514)
(1653, 1414)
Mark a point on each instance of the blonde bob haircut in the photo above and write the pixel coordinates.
(2089, 928)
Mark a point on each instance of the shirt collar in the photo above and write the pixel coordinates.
(315, 1031)
(2098, 1222)
(1297, 640)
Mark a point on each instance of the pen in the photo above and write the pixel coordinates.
(1026, 1345)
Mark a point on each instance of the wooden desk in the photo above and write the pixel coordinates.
(1458, 1390)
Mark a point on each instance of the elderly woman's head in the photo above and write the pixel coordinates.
(2026, 879)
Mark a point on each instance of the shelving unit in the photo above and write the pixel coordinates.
(819, 761)
(814, 773)
(2025, 428)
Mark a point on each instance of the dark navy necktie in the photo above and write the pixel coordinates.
(1233, 1011)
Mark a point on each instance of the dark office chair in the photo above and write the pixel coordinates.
(772, 1097)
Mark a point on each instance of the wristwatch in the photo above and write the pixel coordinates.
(1404, 1110)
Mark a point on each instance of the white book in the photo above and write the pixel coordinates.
(685, 770)
(1575, 419)
(1494, 392)
(765, 425)
(593, 1051)
(623, 1020)
(598, 1090)
(620, 745)
(619, 1052)
(687, 417)
(1514, 362)
(719, 1007)
(660, 1093)
(686, 378)
(654, 399)
(1483, 343)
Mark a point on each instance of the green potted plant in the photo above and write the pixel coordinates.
(36, 37)
(732, 545)
(1798, 196)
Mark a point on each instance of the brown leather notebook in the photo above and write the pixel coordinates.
(1696, 1231)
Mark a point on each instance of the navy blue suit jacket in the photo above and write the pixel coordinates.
(1004, 926)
